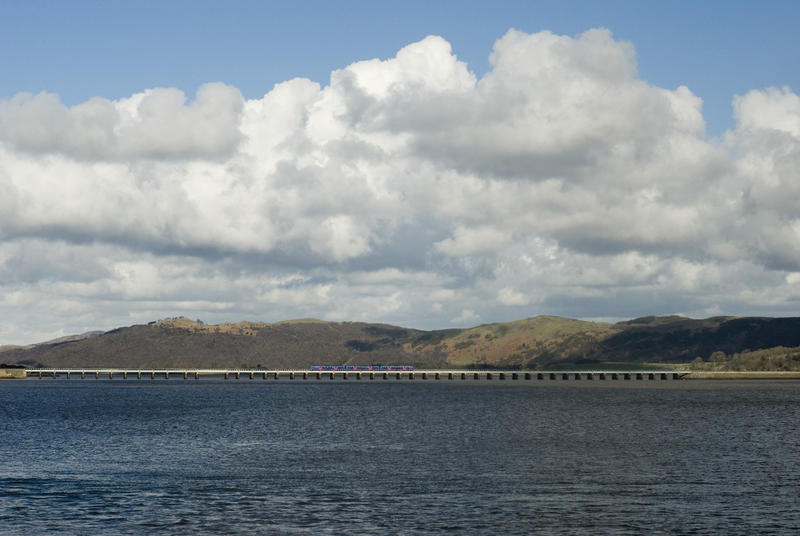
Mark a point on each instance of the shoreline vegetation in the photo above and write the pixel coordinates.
(770, 360)
(11, 372)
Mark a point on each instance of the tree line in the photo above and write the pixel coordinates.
(769, 359)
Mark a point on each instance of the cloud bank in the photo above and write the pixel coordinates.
(406, 190)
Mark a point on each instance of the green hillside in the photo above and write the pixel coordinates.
(528, 343)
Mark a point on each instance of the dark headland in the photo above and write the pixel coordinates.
(719, 344)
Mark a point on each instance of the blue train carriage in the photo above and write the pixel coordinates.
(357, 368)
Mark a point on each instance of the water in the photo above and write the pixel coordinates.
(241, 457)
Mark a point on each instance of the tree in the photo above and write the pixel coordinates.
(718, 357)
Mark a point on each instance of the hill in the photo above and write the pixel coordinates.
(529, 343)
(535, 343)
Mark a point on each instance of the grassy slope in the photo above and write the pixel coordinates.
(524, 342)
(184, 343)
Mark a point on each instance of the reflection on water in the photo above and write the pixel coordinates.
(238, 457)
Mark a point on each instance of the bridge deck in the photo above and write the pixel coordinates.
(434, 374)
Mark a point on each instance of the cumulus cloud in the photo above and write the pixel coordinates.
(509, 296)
(466, 241)
(157, 123)
(770, 109)
(765, 188)
(407, 190)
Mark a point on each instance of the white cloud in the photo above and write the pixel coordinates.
(470, 241)
(509, 296)
(467, 318)
(340, 238)
(769, 109)
(407, 190)
(154, 124)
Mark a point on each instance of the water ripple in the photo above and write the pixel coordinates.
(305, 458)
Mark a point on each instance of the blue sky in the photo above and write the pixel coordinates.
(365, 161)
(110, 48)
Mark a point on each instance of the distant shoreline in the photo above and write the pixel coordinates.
(742, 375)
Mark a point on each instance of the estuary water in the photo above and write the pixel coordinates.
(335, 457)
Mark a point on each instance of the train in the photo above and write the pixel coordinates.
(357, 368)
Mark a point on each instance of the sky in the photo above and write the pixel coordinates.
(429, 164)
